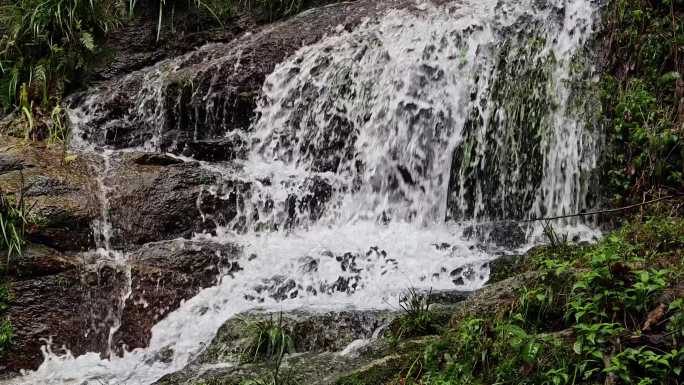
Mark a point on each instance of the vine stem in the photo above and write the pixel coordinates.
(607, 211)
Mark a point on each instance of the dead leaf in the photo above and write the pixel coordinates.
(654, 317)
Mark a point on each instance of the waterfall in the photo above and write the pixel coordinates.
(378, 148)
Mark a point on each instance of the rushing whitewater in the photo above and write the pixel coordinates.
(383, 147)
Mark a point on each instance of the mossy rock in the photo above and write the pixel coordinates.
(494, 299)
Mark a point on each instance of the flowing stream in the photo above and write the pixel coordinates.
(419, 137)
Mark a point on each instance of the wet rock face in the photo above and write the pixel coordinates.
(149, 197)
(76, 301)
(321, 339)
(216, 150)
(506, 235)
(61, 197)
(136, 44)
(154, 198)
(201, 96)
(163, 275)
(43, 307)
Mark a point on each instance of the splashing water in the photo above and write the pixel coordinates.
(374, 153)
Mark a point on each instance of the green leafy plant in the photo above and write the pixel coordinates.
(641, 93)
(48, 43)
(15, 219)
(595, 314)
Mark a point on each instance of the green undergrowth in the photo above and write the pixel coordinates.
(611, 313)
(49, 48)
(642, 90)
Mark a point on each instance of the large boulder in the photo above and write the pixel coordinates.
(333, 347)
(76, 301)
(330, 347)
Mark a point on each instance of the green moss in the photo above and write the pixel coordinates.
(380, 372)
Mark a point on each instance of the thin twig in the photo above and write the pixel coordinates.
(606, 211)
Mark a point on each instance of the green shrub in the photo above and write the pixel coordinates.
(48, 45)
(641, 98)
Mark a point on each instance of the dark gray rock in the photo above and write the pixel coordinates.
(152, 202)
(216, 150)
(310, 331)
(153, 159)
(9, 163)
(75, 300)
(324, 353)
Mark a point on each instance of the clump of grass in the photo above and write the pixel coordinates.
(556, 240)
(15, 219)
(267, 340)
(418, 319)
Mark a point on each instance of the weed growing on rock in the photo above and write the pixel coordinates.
(14, 221)
(267, 340)
(418, 319)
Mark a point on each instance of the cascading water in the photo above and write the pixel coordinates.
(374, 152)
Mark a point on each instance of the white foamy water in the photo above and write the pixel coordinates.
(410, 261)
(378, 136)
